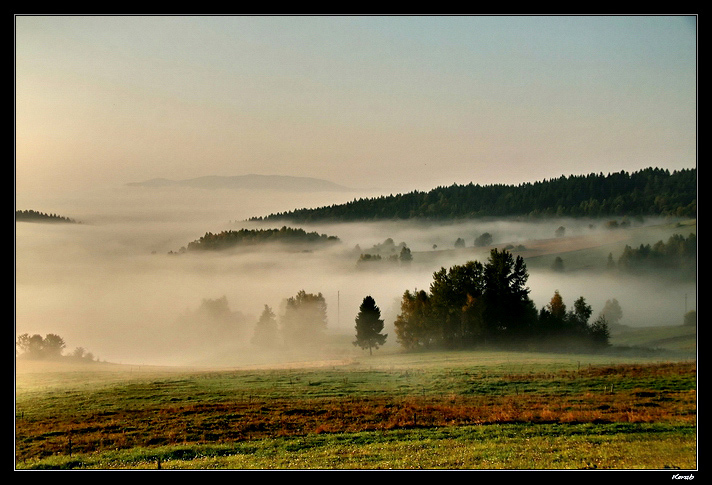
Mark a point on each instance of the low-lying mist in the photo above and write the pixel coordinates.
(111, 286)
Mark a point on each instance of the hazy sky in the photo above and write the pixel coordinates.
(407, 102)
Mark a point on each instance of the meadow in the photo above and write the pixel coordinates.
(478, 410)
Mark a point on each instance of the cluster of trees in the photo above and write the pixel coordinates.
(49, 347)
(212, 322)
(387, 251)
(302, 323)
(679, 253)
(405, 256)
(387, 248)
(245, 237)
(652, 191)
(557, 327)
(35, 216)
(480, 304)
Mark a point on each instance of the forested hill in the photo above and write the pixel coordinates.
(36, 216)
(648, 192)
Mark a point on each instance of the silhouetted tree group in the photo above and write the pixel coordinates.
(559, 329)
(387, 251)
(679, 253)
(49, 347)
(37, 347)
(246, 237)
(479, 304)
(651, 191)
(35, 216)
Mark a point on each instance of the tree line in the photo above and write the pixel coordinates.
(468, 306)
(652, 191)
(678, 253)
(35, 216)
(49, 347)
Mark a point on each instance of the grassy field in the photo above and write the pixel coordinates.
(449, 410)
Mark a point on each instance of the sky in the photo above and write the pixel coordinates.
(402, 102)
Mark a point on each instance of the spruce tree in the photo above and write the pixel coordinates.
(369, 326)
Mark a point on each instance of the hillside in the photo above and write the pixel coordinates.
(260, 182)
(648, 192)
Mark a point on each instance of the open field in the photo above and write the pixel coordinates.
(450, 410)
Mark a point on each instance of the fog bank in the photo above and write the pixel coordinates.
(110, 285)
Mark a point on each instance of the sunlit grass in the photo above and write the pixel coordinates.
(470, 447)
(450, 410)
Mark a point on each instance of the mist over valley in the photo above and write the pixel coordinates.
(356, 242)
(117, 285)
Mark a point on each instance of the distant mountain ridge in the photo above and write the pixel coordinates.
(252, 181)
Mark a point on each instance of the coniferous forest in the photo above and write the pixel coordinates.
(648, 192)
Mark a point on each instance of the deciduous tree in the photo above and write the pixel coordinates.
(304, 320)
(612, 312)
(414, 324)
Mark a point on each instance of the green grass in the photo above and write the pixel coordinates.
(451, 410)
(470, 447)
(682, 338)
